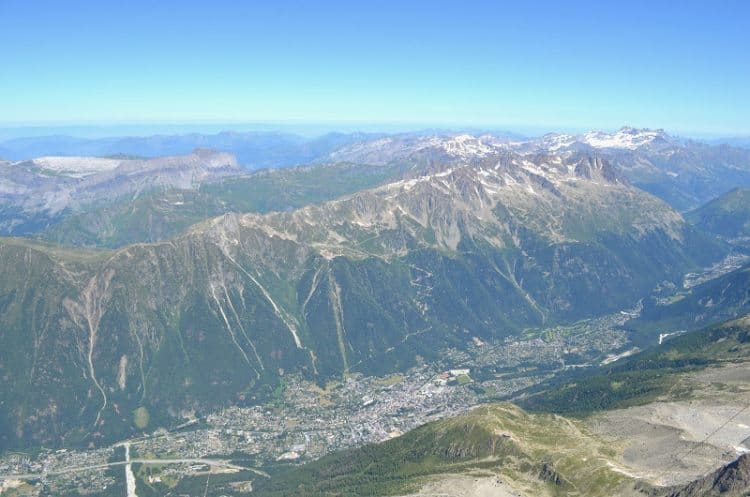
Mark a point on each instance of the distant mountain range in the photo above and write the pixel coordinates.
(39, 193)
(464, 240)
(254, 150)
(685, 173)
(735, 141)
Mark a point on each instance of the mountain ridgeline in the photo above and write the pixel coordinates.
(253, 149)
(159, 214)
(684, 173)
(469, 242)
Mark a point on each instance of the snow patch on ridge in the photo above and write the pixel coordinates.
(77, 167)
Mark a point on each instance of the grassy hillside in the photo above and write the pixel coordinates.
(728, 215)
(550, 454)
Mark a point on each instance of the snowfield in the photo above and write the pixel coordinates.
(625, 138)
(77, 167)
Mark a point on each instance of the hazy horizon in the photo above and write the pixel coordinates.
(310, 129)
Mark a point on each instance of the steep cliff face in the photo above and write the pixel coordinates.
(480, 245)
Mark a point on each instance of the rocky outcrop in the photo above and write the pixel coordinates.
(732, 480)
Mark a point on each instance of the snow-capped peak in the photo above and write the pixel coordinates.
(625, 138)
(467, 145)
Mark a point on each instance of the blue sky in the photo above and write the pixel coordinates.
(684, 66)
